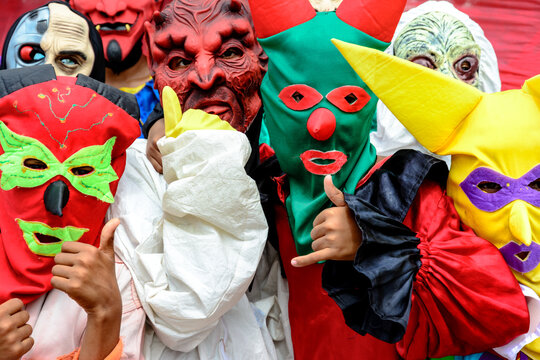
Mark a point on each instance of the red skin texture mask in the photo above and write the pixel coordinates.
(207, 52)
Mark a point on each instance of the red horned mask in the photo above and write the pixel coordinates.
(207, 52)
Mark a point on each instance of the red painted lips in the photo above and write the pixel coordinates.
(310, 157)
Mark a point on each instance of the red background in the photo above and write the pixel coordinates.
(512, 26)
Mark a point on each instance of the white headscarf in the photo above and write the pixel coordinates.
(391, 136)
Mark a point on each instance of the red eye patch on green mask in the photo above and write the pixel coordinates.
(63, 145)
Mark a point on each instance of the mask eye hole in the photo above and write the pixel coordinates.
(82, 170)
(300, 97)
(489, 187)
(31, 53)
(349, 98)
(535, 185)
(466, 67)
(232, 53)
(178, 63)
(424, 61)
(297, 96)
(34, 164)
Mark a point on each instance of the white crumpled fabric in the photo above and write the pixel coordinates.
(391, 135)
(192, 239)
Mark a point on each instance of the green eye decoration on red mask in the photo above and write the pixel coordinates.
(27, 163)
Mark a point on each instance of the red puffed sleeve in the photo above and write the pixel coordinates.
(428, 284)
(464, 298)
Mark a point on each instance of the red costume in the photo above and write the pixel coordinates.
(416, 255)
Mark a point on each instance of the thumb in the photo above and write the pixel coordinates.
(334, 194)
(106, 243)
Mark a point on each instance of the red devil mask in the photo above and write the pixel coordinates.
(63, 149)
(207, 52)
(121, 25)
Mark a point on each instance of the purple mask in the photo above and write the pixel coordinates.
(521, 258)
(490, 191)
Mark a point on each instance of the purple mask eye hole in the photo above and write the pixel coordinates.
(489, 187)
(424, 61)
(535, 185)
(466, 67)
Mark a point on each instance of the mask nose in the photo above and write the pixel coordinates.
(111, 8)
(520, 227)
(56, 197)
(206, 74)
(321, 124)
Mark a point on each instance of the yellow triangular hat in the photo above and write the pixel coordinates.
(532, 86)
(429, 104)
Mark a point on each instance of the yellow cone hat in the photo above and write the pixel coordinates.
(494, 140)
(532, 87)
(430, 105)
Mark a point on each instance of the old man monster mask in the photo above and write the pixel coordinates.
(440, 41)
(55, 34)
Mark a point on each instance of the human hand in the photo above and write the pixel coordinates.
(87, 274)
(335, 234)
(15, 340)
(156, 132)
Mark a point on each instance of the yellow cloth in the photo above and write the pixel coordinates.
(134, 90)
(177, 122)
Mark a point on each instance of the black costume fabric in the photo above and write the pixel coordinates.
(388, 260)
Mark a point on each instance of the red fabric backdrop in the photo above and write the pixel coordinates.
(513, 27)
(11, 10)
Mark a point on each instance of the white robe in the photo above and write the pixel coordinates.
(192, 240)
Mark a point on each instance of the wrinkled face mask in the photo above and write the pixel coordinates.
(55, 35)
(63, 150)
(121, 26)
(441, 42)
(494, 179)
(207, 52)
(318, 111)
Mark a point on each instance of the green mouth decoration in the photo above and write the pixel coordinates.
(45, 240)
(89, 170)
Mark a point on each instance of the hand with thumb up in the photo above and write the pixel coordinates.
(87, 275)
(335, 234)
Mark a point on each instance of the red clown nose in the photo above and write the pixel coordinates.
(321, 124)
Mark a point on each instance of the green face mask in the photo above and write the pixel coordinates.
(440, 41)
(318, 113)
